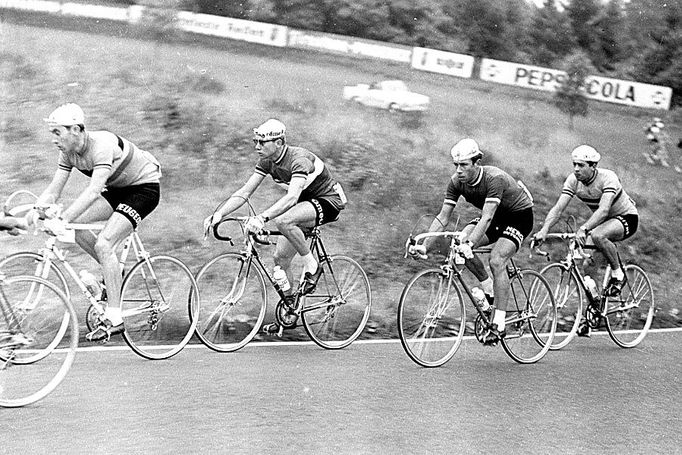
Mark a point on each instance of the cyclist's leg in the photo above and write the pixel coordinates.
(604, 236)
(289, 224)
(100, 210)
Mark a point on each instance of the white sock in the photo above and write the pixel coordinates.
(113, 315)
(487, 286)
(617, 273)
(498, 319)
(309, 263)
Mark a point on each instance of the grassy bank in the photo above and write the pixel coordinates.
(193, 103)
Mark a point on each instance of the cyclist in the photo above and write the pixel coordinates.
(614, 215)
(123, 189)
(506, 219)
(313, 198)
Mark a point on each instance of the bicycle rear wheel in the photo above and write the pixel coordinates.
(530, 327)
(569, 302)
(158, 305)
(233, 302)
(35, 313)
(629, 315)
(335, 313)
(431, 318)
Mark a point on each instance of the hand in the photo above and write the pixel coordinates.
(539, 238)
(55, 226)
(581, 236)
(255, 224)
(464, 249)
(417, 251)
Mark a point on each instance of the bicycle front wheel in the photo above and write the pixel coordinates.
(159, 301)
(33, 310)
(431, 318)
(531, 325)
(335, 314)
(233, 302)
(569, 302)
(629, 315)
(33, 264)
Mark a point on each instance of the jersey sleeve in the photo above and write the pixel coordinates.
(262, 167)
(452, 194)
(611, 184)
(301, 167)
(63, 162)
(496, 189)
(570, 186)
(103, 158)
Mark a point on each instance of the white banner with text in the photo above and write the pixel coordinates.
(459, 65)
(346, 45)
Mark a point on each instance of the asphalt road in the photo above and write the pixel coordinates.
(592, 397)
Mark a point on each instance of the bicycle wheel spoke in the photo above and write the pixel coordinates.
(568, 300)
(156, 306)
(530, 329)
(37, 344)
(233, 302)
(629, 315)
(431, 318)
(335, 314)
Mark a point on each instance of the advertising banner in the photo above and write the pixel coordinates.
(96, 11)
(346, 45)
(596, 87)
(237, 29)
(442, 62)
(31, 5)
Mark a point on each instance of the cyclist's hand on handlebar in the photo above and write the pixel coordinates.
(417, 251)
(581, 237)
(255, 224)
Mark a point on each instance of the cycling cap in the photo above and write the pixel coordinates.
(67, 115)
(464, 150)
(271, 129)
(585, 153)
(655, 129)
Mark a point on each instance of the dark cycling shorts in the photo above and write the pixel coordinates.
(514, 226)
(326, 209)
(134, 202)
(630, 224)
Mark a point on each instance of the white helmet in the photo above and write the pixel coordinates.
(655, 129)
(465, 149)
(585, 153)
(67, 115)
(270, 130)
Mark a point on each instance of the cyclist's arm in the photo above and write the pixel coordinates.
(54, 189)
(97, 183)
(602, 212)
(296, 186)
(239, 197)
(554, 214)
(440, 222)
(487, 214)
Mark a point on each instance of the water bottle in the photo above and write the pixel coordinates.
(91, 283)
(281, 279)
(591, 288)
(480, 298)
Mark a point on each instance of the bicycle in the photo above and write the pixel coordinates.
(38, 339)
(628, 315)
(159, 295)
(432, 316)
(234, 295)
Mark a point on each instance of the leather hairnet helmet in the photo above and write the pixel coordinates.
(465, 149)
(585, 153)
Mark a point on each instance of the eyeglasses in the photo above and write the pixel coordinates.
(262, 141)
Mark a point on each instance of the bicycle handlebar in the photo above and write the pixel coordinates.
(257, 237)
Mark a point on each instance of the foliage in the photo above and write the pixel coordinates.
(570, 97)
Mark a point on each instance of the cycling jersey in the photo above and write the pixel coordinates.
(604, 181)
(128, 165)
(492, 184)
(297, 161)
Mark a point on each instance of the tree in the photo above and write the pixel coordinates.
(581, 13)
(570, 96)
(606, 48)
(550, 36)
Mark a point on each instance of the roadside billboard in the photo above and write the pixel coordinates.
(459, 65)
(237, 29)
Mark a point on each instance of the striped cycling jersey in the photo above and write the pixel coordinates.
(127, 164)
(297, 161)
(603, 182)
(494, 185)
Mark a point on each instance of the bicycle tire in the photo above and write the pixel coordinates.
(431, 318)
(569, 302)
(531, 325)
(233, 302)
(629, 315)
(28, 263)
(336, 312)
(24, 380)
(158, 306)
